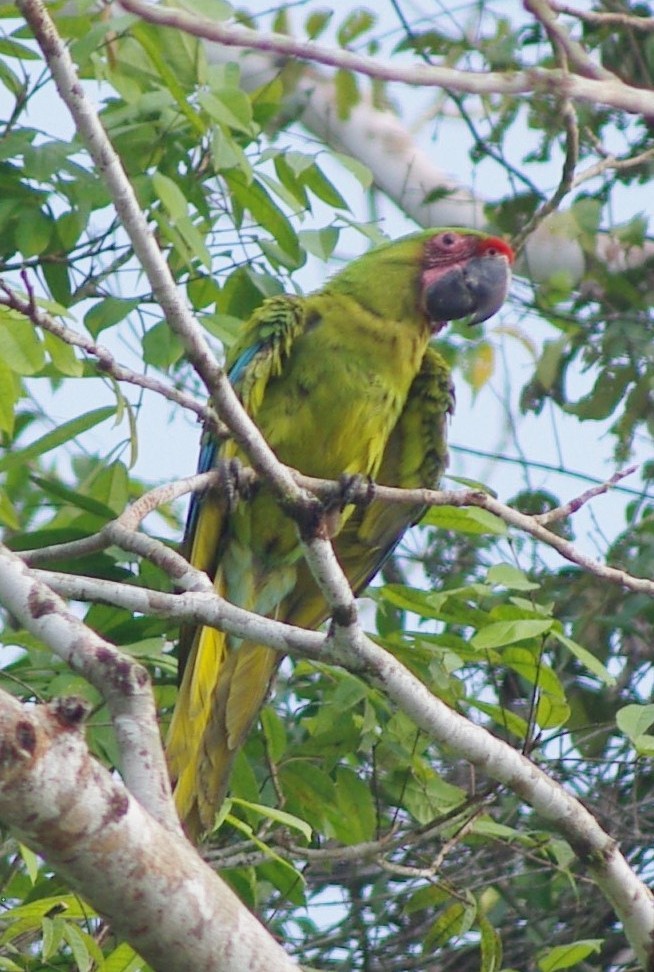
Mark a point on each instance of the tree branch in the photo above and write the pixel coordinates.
(123, 682)
(105, 359)
(610, 90)
(145, 247)
(147, 881)
(621, 20)
(400, 169)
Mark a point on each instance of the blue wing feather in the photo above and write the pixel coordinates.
(236, 371)
(209, 447)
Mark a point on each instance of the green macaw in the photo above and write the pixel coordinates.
(342, 381)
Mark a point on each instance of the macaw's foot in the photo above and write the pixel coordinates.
(235, 482)
(355, 489)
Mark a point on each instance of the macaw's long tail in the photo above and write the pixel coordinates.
(221, 694)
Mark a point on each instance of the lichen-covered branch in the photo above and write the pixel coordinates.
(123, 682)
(147, 881)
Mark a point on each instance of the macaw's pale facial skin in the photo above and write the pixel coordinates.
(342, 381)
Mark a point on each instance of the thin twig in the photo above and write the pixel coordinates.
(621, 20)
(566, 50)
(567, 509)
(105, 359)
(575, 54)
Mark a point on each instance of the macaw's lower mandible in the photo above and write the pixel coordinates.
(342, 381)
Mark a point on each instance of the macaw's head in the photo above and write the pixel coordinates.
(433, 276)
(464, 274)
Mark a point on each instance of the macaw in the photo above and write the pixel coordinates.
(340, 382)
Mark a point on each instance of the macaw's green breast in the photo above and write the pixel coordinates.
(342, 388)
(332, 408)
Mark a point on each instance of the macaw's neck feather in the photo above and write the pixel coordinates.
(386, 281)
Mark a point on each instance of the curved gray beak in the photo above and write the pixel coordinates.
(477, 288)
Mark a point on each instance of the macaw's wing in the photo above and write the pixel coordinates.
(415, 457)
(257, 357)
(208, 724)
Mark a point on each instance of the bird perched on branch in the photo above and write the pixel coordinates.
(340, 382)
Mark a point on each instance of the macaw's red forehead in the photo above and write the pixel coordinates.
(450, 247)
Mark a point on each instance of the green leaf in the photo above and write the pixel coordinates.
(230, 107)
(107, 313)
(361, 172)
(531, 666)
(249, 833)
(453, 922)
(29, 915)
(587, 659)
(257, 202)
(8, 514)
(52, 931)
(14, 85)
(174, 57)
(20, 347)
(427, 604)
(506, 575)
(321, 243)
(9, 396)
(608, 392)
(63, 356)
(316, 180)
(123, 959)
(317, 22)
(565, 956)
(58, 280)
(347, 93)
(79, 947)
(478, 365)
(498, 634)
(502, 716)
(430, 896)
(6, 965)
(33, 233)
(161, 346)
(60, 435)
(31, 862)
(358, 22)
(551, 712)
(275, 733)
(279, 816)
(490, 943)
(355, 817)
(465, 520)
(59, 491)
(171, 195)
(475, 484)
(227, 154)
(634, 720)
(11, 48)
(110, 485)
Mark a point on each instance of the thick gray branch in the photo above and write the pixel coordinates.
(122, 682)
(146, 881)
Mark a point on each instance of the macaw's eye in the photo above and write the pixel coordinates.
(448, 239)
(492, 251)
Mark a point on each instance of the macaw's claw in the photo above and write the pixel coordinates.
(234, 482)
(355, 488)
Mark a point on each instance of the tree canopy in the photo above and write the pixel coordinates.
(469, 786)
